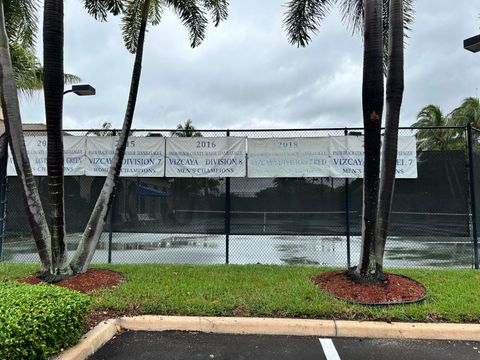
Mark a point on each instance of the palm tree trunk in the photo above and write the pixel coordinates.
(13, 124)
(395, 85)
(90, 237)
(372, 102)
(53, 90)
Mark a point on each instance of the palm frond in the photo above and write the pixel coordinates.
(71, 79)
(21, 18)
(303, 17)
(353, 13)
(193, 18)
(131, 22)
(156, 12)
(100, 9)
(218, 10)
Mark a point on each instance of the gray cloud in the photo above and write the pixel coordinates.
(246, 75)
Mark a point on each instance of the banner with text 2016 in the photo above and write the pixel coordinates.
(144, 156)
(205, 157)
(346, 156)
(73, 149)
(288, 157)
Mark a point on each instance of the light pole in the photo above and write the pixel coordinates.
(81, 90)
(472, 44)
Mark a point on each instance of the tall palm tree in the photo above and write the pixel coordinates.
(394, 92)
(19, 29)
(137, 14)
(433, 139)
(13, 124)
(370, 17)
(53, 41)
(372, 103)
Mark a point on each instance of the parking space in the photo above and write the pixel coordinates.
(194, 345)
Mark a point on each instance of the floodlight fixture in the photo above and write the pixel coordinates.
(472, 44)
(81, 90)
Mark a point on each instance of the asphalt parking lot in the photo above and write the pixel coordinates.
(177, 345)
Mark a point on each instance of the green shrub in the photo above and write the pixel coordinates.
(37, 321)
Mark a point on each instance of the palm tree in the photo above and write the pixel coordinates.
(437, 138)
(186, 130)
(51, 246)
(304, 17)
(394, 92)
(137, 14)
(13, 124)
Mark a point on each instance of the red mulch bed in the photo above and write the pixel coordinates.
(87, 283)
(396, 289)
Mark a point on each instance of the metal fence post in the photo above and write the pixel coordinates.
(3, 192)
(110, 230)
(347, 215)
(110, 218)
(473, 208)
(227, 216)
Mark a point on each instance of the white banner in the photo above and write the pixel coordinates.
(347, 157)
(144, 156)
(340, 157)
(206, 157)
(74, 152)
(288, 157)
(407, 158)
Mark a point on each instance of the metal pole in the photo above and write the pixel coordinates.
(347, 216)
(3, 192)
(473, 208)
(110, 230)
(227, 216)
(110, 219)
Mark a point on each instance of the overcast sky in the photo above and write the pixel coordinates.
(247, 75)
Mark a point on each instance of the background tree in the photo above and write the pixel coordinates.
(188, 186)
(186, 130)
(467, 113)
(433, 139)
(21, 27)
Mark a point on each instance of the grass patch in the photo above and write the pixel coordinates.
(265, 291)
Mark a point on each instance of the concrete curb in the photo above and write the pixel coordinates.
(232, 325)
(91, 341)
(103, 332)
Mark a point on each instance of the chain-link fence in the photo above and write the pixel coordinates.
(271, 220)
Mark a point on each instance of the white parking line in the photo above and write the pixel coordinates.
(329, 349)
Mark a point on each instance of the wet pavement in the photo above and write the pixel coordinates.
(177, 345)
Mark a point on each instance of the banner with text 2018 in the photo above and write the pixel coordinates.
(289, 157)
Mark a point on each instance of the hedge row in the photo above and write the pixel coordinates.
(38, 321)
